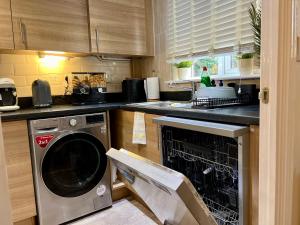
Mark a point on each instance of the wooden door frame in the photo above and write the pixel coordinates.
(278, 118)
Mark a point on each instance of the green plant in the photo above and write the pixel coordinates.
(184, 64)
(210, 62)
(255, 16)
(246, 56)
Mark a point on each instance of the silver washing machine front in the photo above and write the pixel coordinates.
(71, 170)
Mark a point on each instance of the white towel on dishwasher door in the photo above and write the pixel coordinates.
(139, 129)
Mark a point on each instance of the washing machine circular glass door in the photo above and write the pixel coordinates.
(74, 165)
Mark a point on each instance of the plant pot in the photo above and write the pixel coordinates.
(184, 73)
(245, 67)
(175, 73)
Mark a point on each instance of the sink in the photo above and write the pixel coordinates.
(163, 104)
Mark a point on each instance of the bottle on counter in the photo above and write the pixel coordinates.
(205, 78)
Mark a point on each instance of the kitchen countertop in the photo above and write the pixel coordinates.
(246, 115)
(57, 111)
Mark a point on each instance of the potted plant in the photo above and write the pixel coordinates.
(245, 64)
(255, 18)
(184, 69)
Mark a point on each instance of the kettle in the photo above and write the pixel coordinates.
(41, 94)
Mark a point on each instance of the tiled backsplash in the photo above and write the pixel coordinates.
(24, 69)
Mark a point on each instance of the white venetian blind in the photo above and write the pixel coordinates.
(196, 27)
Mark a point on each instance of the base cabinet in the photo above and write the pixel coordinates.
(30, 221)
(19, 170)
(121, 133)
(254, 174)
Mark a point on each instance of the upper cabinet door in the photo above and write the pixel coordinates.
(53, 25)
(6, 34)
(118, 26)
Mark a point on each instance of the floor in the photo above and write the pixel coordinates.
(123, 212)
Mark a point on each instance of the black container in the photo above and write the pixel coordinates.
(41, 94)
(89, 88)
(248, 90)
(92, 96)
(133, 90)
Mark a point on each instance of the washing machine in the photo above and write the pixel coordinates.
(70, 166)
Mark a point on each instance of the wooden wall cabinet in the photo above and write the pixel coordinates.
(122, 27)
(51, 25)
(6, 34)
(18, 162)
(121, 134)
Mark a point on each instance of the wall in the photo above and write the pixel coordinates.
(24, 69)
(144, 67)
(158, 66)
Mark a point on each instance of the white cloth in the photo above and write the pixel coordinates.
(139, 129)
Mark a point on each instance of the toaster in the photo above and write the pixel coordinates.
(41, 94)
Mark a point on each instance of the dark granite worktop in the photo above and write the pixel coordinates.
(57, 111)
(246, 115)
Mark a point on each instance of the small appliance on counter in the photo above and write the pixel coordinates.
(8, 95)
(133, 90)
(89, 88)
(152, 88)
(41, 94)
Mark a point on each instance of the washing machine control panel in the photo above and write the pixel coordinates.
(73, 122)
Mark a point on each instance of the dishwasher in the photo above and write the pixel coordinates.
(214, 157)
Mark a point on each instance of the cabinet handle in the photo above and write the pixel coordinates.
(22, 32)
(97, 39)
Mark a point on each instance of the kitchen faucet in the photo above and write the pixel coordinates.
(193, 88)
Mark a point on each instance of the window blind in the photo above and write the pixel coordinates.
(198, 27)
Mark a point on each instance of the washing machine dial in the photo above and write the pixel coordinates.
(73, 122)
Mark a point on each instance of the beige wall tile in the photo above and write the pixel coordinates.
(92, 68)
(72, 67)
(11, 58)
(20, 81)
(24, 91)
(6, 69)
(50, 70)
(30, 79)
(32, 59)
(24, 69)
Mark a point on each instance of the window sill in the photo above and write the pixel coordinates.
(215, 77)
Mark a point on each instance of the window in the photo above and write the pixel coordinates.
(224, 65)
(203, 27)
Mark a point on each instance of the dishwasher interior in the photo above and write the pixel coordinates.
(215, 164)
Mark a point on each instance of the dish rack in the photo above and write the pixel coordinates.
(211, 163)
(209, 103)
(222, 214)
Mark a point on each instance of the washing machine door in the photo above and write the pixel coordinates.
(74, 165)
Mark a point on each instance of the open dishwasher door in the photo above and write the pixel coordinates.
(169, 194)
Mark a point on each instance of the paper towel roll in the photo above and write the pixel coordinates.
(152, 88)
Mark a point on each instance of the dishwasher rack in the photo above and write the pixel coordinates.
(214, 161)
